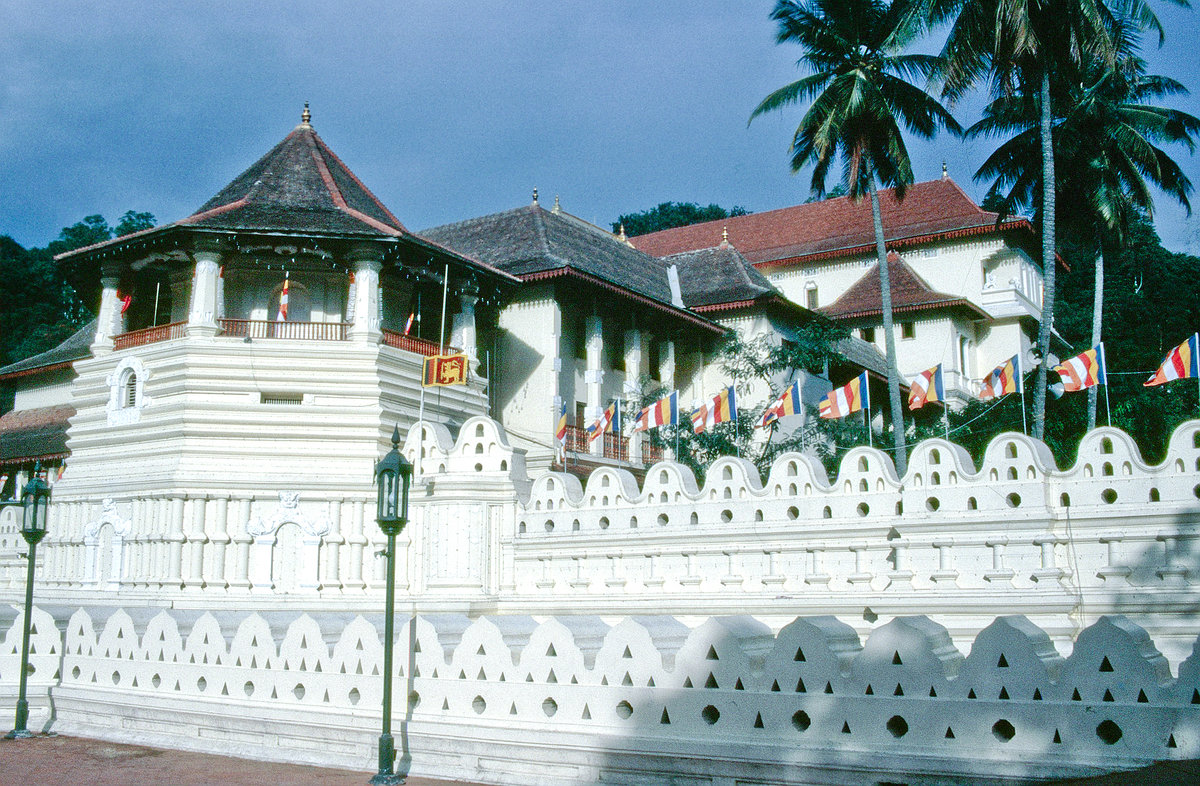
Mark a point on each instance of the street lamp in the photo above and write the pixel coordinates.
(34, 499)
(393, 474)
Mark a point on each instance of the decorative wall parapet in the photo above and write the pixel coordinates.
(645, 698)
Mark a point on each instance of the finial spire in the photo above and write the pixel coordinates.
(305, 116)
(557, 206)
(724, 236)
(945, 173)
(535, 195)
(622, 237)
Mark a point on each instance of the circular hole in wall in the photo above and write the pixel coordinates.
(801, 721)
(726, 516)
(932, 504)
(479, 705)
(353, 696)
(298, 691)
(662, 519)
(1003, 730)
(116, 677)
(549, 525)
(863, 508)
(201, 684)
(1013, 500)
(479, 468)
(624, 710)
(897, 726)
(604, 522)
(710, 714)
(1109, 496)
(75, 673)
(414, 699)
(549, 706)
(248, 687)
(793, 513)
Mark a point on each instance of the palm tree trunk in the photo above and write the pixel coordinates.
(1048, 261)
(1097, 315)
(889, 338)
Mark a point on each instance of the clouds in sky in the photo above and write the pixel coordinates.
(445, 110)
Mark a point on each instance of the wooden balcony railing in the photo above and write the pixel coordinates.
(615, 448)
(303, 331)
(418, 345)
(150, 335)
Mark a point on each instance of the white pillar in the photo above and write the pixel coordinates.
(108, 322)
(462, 331)
(594, 376)
(366, 327)
(631, 391)
(202, 310)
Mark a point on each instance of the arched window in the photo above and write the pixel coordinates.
(127, 394)
(299, 303)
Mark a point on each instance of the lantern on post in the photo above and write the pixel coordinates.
(393, 475)
(35, 506)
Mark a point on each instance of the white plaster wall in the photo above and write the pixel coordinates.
(53, 394)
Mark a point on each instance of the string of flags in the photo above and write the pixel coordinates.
(1085, 370)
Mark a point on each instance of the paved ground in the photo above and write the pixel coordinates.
(70, 761)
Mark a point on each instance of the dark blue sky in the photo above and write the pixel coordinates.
(445, 110)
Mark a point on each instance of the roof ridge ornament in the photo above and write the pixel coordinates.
(945, 173)
(724, 236)
(557, 206)
(305, 116)
(535, 195)
(622, 236)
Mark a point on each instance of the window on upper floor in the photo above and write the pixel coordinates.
(580, 409)
(579, 343)
(128, 390)
(867, 334)
(654, 358)
(810, 296)
(908, 330)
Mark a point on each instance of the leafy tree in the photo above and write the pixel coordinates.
(669, 215)
(1024, 48)
(762, 363)
(1106, 149)
(860, 97)
(132, 222)
(92, 229)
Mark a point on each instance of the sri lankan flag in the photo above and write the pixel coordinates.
(849, 398)
(1182, 362)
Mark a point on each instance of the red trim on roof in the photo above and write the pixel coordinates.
(38, 369)
(937, 304)
(329, 152)
(216, 211)
(898, 243)
(34, 457)
(567, 272)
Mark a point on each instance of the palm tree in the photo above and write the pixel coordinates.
(1023, 46)
(859, 98)
(1106, 149)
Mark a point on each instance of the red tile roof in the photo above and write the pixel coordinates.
(910, 293)
(933, 210)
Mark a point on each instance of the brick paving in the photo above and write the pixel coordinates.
(63, 761)
(69, 761)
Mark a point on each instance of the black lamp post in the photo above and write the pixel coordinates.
(393, 474)
(34, 500)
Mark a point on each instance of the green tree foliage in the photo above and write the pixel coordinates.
(761, 363)
(858, 98)
(41, 309)
(1150, 307)
(669, 215)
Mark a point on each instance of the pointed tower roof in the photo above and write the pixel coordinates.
(910, 292)
(299, 185)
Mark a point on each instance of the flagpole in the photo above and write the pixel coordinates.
(1021, 387)
(1107, 397)
(445, 291)
(867, 396)
(157, 288)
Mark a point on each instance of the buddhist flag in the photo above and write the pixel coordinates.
(605, 423)
(788, 403)
(126, 300)
(721, 408)
(664, 412)
(927, 387)
(1182, 362)
(699, 418)
(1004, 379)
(849, 398)
(1081, 372)
(408, 325)
(283, 302)
(560, 433)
